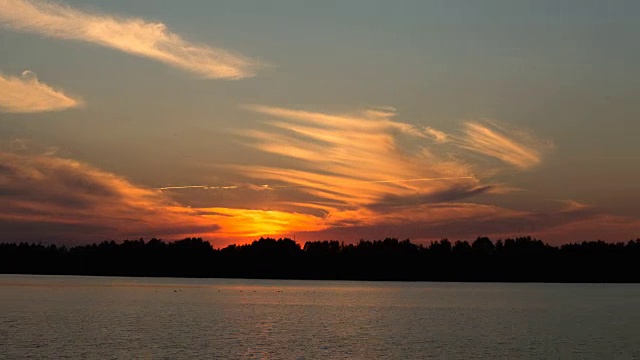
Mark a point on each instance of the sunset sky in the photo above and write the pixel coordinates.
(231, 120)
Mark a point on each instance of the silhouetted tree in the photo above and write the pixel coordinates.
(517, 259)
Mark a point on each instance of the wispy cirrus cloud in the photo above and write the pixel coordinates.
(352, 160)
(437, 135)
(26, 94)
(513, 147)
(128, 34)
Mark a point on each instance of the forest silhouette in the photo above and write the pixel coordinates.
(522, 259)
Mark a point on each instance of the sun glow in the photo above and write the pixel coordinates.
(251, 223)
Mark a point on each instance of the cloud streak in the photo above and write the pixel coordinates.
(490, 139)
(52, 198)
(26, 94)
(128, 34)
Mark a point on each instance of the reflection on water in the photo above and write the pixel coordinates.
(124, 318)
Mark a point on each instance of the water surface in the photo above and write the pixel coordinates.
(165, 318)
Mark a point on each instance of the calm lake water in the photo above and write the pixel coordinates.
(49, 317)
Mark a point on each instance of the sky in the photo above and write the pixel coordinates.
(333, 120)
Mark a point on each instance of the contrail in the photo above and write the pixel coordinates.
(267, 186)
(204, 187)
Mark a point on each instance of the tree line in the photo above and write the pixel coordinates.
(522, 259)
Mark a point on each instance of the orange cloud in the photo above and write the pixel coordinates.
(352, 160)
(28, 95)
(515, 148)
(131, 35)
(45, 197)
(438, 136)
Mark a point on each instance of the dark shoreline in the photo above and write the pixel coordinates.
(520, 260)
(325, 280)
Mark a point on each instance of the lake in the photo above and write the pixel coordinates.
(48, 317)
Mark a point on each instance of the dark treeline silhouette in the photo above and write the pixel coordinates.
(514, 260)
